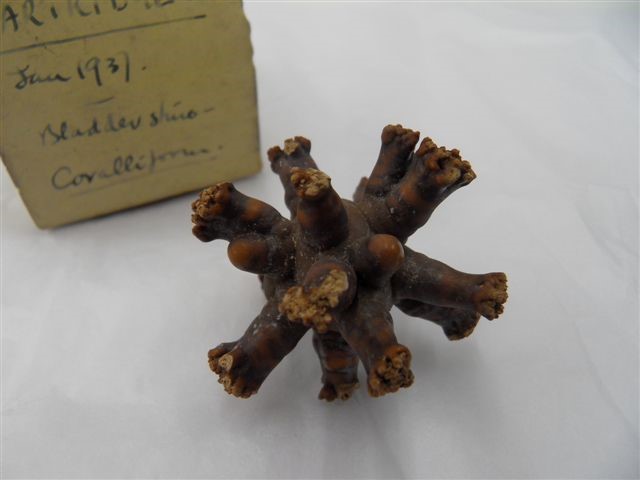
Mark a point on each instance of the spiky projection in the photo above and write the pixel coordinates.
(338, 266)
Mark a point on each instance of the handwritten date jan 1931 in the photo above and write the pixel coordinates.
(124, 167)
(94, 69)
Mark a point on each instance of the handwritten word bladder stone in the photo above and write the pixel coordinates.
(338, 266)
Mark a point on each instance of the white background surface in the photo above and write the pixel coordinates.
(106, 324)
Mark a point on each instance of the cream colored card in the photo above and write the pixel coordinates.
(109, 104)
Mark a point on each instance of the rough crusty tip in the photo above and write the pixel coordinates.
(391, 372)
(343, 391)
(312, 306)
(309, 182)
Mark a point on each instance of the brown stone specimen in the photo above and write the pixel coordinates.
(338, 266)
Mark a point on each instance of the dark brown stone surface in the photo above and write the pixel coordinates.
(337, 267)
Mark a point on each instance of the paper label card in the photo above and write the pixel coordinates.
(110, 104)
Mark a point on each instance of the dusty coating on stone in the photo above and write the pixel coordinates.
(391, 372)
(313, 308)
(290, 146)
(309, 182)
(211, 201)
(338, 267)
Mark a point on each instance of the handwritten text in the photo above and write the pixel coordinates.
(56, 133)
